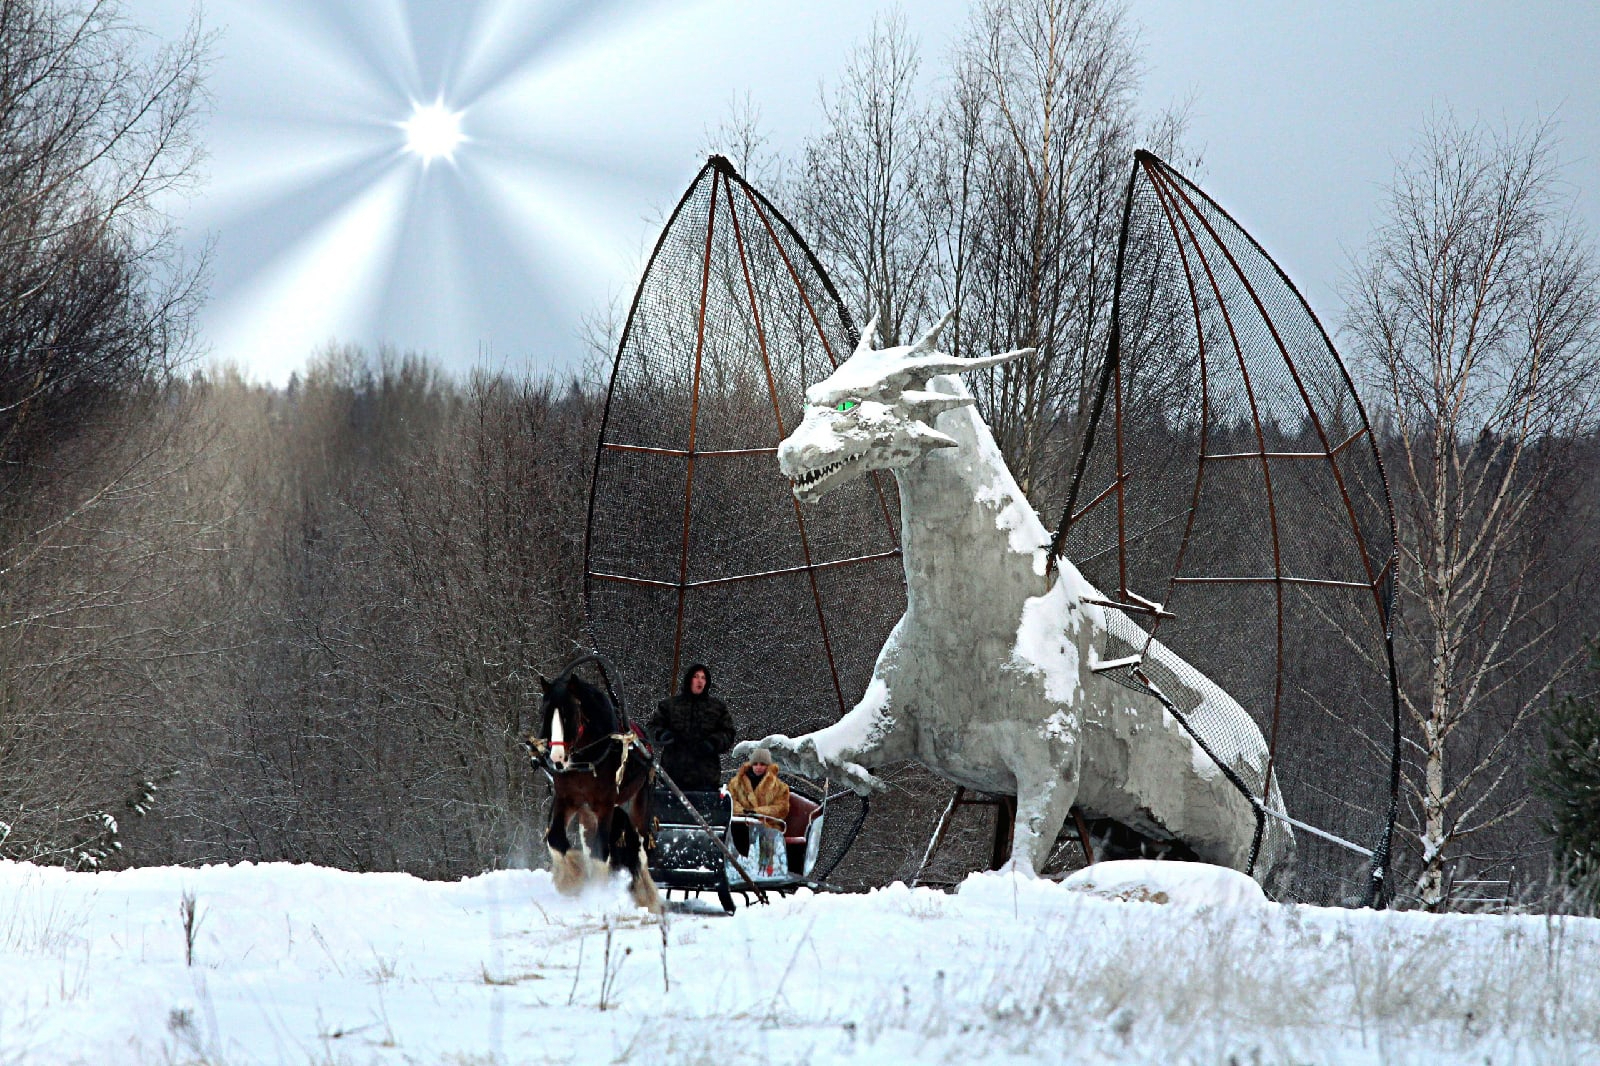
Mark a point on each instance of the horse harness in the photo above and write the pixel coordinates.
(539, 754)
(539, 747)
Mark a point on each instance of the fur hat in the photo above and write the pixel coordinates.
(761, 755)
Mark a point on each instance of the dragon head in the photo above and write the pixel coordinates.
(875, 412)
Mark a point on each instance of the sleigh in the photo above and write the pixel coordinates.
(686, 859)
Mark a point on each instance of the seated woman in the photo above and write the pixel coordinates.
(760, 797)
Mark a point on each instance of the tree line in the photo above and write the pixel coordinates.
(242, 622)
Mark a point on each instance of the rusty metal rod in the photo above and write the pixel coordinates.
(706, 582)
(1325, 582)
(685, 453)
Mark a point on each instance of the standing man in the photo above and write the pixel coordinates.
(691, 730)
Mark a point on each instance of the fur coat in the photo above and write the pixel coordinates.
(768, 797)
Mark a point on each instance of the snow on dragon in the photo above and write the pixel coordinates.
(988, 679)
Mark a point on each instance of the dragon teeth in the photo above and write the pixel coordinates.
(818, 474)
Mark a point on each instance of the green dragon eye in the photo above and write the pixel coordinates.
(845, 405)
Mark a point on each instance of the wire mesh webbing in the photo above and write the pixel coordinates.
(1230, 474)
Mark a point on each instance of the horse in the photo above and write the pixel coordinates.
(600, 786)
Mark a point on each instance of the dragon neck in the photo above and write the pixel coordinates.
(967, 530)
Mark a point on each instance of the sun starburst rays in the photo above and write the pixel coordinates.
(341, 226)
(433, 132)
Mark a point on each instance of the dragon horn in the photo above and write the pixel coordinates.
(982, 361)
(930, 338)
(939, 363)
(929, 405)
(869, 336)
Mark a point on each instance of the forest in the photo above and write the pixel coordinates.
(247, 622)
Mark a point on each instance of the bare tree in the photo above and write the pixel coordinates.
(96, 128)
(999, 199)
(1476, 318)
(1037, 136)
(412, 561)
(743, 139)
(862, 195)
(96, 132)
(99, 625)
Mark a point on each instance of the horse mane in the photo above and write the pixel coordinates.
(597, 706)
(598, 711)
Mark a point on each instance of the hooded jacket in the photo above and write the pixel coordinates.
(690, 732)
(767, 797)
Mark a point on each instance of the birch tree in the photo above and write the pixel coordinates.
(1039, 129)
(1474, 315)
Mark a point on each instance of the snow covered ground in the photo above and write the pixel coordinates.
(1133, 963)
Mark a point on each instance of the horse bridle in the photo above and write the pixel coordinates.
(540, 748)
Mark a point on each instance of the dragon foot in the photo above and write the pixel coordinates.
(800, 755)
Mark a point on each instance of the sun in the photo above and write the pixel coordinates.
(433, 132)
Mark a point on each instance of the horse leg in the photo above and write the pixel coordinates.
(627, 853)
(639, 808)
(556, 836)
(605, 833)
(566, 862)
(591, 851)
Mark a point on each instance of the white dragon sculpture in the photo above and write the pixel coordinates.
(989, 678)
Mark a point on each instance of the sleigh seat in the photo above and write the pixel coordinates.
(797, 832)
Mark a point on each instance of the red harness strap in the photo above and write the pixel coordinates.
(570, 743)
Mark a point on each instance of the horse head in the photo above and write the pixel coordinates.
(875, 412)
(574, 714)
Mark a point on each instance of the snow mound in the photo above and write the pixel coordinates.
(1192, 884)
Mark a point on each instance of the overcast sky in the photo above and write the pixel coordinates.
(587, 119)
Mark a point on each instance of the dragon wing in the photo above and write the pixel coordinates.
(1229, 498)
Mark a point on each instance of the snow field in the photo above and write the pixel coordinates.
(300, 964)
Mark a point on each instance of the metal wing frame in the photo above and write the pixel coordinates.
(1229, 498)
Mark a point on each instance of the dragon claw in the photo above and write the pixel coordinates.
(800, 755)
(860, 780)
